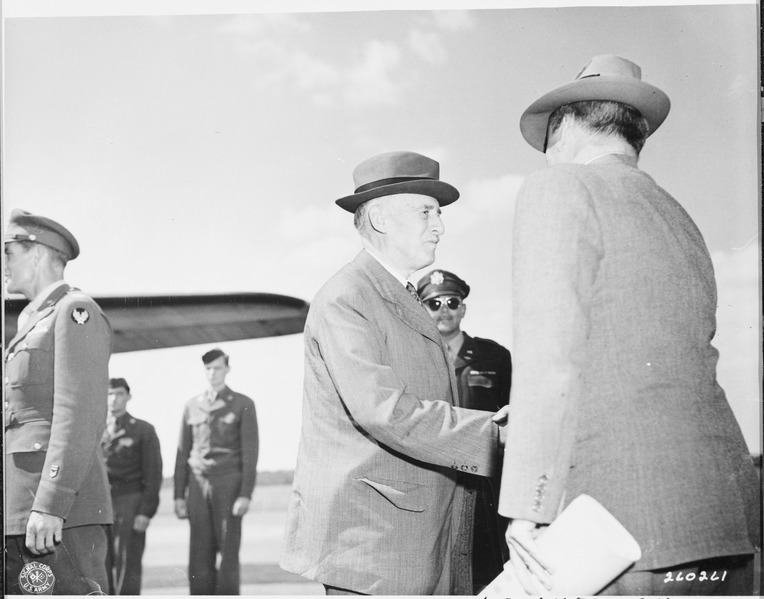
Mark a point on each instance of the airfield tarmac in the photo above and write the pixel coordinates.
(165, 561)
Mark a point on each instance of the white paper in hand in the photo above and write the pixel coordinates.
(585, 545)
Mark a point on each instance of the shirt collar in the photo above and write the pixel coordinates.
(456, 343)
(35, 304)
(401, 279)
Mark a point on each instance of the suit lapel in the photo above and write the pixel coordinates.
(46, 307)
(391, 290)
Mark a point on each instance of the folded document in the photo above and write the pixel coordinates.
(585, 546)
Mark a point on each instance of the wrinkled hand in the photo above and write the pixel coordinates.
(502, 419)
(502, 416)
(43, 532)
(141, 523)
(240, 506)
(532, 572)
(181, 509)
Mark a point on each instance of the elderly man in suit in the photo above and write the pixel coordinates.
(56, 491)
(614, 387)
(375, 507)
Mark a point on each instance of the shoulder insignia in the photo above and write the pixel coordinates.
(80, 315)
(53, 471)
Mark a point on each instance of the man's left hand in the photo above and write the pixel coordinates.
(240, 506)
(141, 523)
(43, 532)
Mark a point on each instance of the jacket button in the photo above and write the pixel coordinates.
(37, 445)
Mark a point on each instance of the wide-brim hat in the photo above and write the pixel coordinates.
(606, 77)
(25, 226)
(398, 172)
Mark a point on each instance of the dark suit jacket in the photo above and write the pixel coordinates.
(56, 383)
(614, 387)
(375, 506)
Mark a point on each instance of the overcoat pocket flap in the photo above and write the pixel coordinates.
(32, 436)
(403, 495)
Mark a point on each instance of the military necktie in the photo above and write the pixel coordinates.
(410, 288)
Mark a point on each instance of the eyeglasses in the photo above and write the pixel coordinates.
(435, 303)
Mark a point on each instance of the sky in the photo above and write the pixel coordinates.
(202, 153)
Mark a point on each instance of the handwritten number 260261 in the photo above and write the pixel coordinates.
(690, 576)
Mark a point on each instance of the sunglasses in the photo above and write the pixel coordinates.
(435, 303)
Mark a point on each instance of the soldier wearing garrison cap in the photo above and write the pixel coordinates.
(56, 376)
(376, 506)
(134, 465)
(484, 374)
(215, 472)
(614, 391)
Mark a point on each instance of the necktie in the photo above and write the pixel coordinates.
(412, 291)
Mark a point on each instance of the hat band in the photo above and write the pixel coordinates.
(390, 181)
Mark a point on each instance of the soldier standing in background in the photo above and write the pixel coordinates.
(134, 466)
(215, 474)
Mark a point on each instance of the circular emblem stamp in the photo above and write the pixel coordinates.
(36, 579)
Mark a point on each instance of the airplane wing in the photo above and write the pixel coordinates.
(157, 321)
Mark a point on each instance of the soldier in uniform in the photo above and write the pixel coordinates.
(56, 377)
(134, 466)
(214, 477)
(484, 374)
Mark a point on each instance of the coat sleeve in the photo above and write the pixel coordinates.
(249, 448)
(80, 387)
(556, 252)
(151, 471)
(429, 429)
(185, 439)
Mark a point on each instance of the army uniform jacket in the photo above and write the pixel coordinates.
(484, 374)
(134, 461)
(56, 383)
(218, 438)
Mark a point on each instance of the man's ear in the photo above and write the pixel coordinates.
(377, 219)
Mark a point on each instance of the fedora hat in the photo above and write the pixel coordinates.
(397, 172)
(606, 77)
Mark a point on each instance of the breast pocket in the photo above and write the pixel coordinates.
(31, 362)
(482, 378)
(225, 428)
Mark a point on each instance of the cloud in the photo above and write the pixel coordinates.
(738, 336)
(454, 20)
(371, 81)
(484, 202)
(427, 45)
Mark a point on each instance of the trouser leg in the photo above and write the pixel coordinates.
(128, 545)
(203, 546)
(228, 531)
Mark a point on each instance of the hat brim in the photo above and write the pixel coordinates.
(648, 99)
(439, 190)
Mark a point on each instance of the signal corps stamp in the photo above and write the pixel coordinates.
(36, 579)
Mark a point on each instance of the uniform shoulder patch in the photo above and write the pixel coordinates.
(80, 315)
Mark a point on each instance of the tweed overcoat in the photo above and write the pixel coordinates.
(614, 385)
(56, 385)
(375, 506)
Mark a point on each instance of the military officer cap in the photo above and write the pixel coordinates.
(25, 226)
(441, 282)
(214, 354)
(119, 382)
